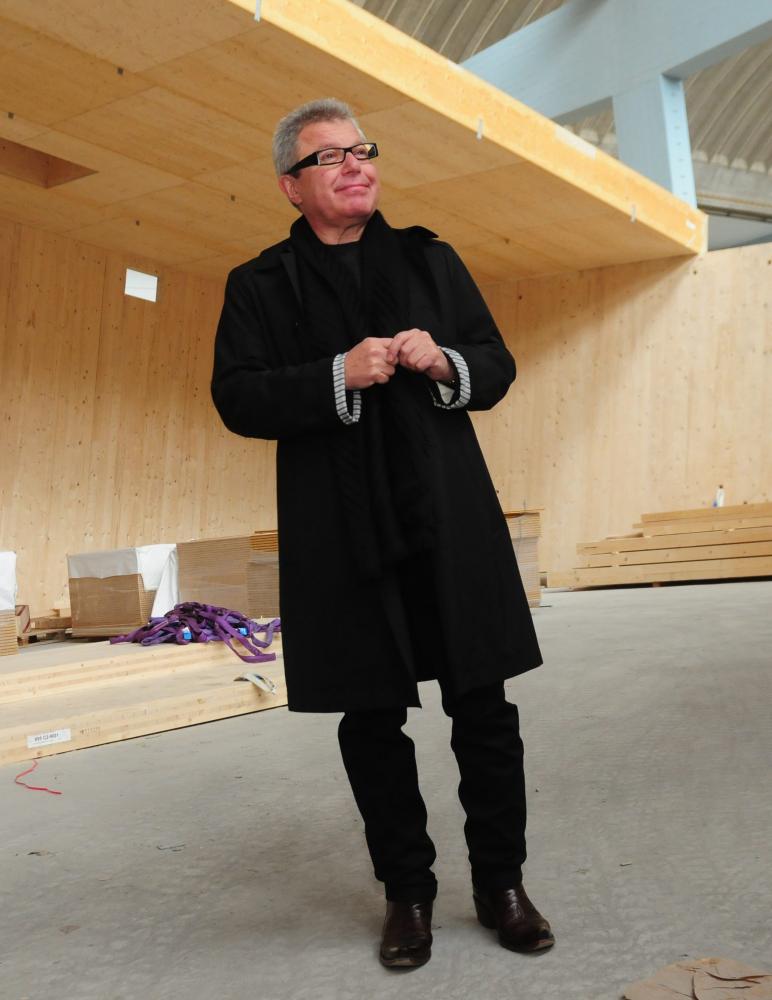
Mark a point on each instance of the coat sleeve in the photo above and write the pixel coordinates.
(484, 366)
(254, 397)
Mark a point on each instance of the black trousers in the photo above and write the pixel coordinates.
(380, 762)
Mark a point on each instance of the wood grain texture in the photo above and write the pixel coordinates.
(126, 693)
(640, 387)
(172, 111)
(110, 438)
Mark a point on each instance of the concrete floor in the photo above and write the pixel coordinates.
(227, 860)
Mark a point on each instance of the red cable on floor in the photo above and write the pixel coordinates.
(33, 788)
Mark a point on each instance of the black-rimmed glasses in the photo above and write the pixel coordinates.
(336, 154)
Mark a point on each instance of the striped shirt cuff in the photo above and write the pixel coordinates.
(348, 416)
(461, 393)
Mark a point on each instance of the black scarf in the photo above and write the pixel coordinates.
(382, 462)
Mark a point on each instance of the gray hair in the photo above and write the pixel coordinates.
(285, 137)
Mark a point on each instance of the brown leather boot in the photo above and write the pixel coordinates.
(510, 912)
(407, 935)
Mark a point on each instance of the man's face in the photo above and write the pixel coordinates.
(342, 194)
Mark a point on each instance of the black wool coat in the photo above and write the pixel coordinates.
(347, 642)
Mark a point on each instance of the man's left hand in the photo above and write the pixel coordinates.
(415, 350)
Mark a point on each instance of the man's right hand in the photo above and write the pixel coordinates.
(369, 363)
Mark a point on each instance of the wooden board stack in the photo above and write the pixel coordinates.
(713, 543)
(524, 530)
(214, 571)
(8, 642)
(240, 573)
(66, 697)
(263, 574)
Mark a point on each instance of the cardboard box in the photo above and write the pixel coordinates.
(112, 592)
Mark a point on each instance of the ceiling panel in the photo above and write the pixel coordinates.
(180, 142)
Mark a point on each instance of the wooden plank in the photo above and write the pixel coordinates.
(711, 513)
(634, 543)
(709, 569)
(50, 622)
(687, 540)
(461, 96)
(654, 529)
(105, 711)
(682, 555)
(79, 665)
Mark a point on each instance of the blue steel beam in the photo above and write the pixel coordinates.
(637, 52)
(570, 62)
(653, 134)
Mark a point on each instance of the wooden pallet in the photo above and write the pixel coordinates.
(688, 545)
(43, 627)
(83, 695)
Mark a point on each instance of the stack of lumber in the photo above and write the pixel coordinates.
(524, 530)
(263, 574)
(69, 696)
(8, 643)
(241, 573)
(713, 543)
(214, 571)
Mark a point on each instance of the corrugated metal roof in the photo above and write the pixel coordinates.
(459, 28)
(730, 110)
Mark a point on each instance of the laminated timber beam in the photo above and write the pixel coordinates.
(172, 108)
(67, 696)
(451, 106)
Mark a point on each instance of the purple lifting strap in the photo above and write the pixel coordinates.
(194, 622)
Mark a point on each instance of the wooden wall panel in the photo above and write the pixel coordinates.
(109, 437)
(640, 388)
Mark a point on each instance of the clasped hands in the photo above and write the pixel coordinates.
(374, 359)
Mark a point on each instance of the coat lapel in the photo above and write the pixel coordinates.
(287, 257)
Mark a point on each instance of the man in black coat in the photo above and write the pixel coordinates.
(359, 348)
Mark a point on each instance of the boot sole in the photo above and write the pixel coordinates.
(488, 921)
(405, 962)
